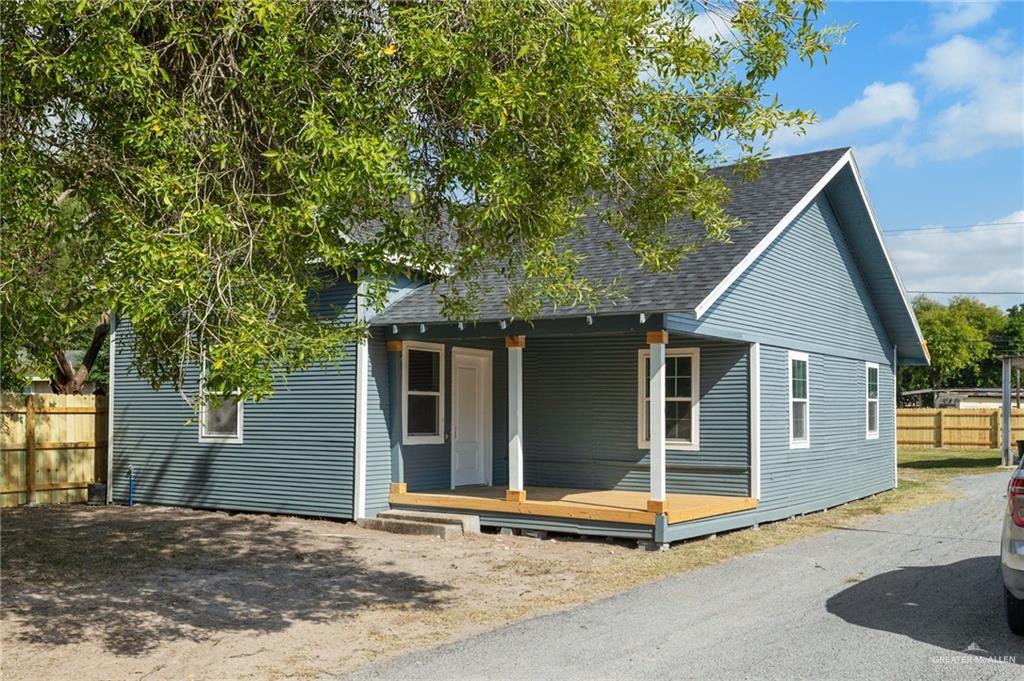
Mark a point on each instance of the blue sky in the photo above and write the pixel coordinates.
(931, 97)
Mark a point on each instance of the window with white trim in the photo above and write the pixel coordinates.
(871, 397)
(682, 399)
(422, 393)
(799, 400)
(220, 420)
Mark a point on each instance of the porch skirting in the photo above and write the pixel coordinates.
(610, 506)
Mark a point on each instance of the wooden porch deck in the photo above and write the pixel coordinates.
(617, 506)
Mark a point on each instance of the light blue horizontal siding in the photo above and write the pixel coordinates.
(297, 456)
(845, 199)
(378, 423)
(580, 417)
(804, 292)
(840, 465)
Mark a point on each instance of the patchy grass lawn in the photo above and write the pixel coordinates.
(112, 592)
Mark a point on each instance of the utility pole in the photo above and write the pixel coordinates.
(1007, 404)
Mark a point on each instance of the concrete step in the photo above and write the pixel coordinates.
(396, 526)
(470, 524)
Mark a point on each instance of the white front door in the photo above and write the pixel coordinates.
(471, 416)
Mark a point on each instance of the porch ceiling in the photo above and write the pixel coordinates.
(618, 506)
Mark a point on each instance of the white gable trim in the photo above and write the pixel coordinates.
(748, 260)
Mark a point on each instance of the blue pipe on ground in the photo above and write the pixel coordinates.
(131, 485)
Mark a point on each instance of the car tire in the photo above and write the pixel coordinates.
(1014, 613)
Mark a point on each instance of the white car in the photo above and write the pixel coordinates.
(1012, 553)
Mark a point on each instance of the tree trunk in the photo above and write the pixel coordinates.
(69, 381)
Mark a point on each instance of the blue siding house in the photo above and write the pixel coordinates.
(754, 383)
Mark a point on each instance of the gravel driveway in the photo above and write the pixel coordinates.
(910, 596)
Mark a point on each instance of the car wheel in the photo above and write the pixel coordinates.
(1015, 613)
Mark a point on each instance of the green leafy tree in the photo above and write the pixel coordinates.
(203, 167)
(966, 340)
(990, 323)
(1013, 331)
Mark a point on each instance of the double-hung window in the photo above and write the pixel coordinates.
(799, 401)
(220, 420)
(422, 393)
(682, 399)
(871, 395)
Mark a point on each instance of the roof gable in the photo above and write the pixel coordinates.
(804, 292)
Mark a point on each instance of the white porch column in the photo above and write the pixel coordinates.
(657, 341)
(755, 420)
(1007, 451)
(515, 491)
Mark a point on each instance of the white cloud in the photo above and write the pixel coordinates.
(897, 151)
(986, 257)
(989, 111)
(961, 63)
(972, 100)
(952, 17)
(880, 104)
(713, 24)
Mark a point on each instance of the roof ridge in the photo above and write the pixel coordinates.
(775, 159)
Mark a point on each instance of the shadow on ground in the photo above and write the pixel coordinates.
(133, 579)
(950, 606)
(990, 462)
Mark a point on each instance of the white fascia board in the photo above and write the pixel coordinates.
(888, 259)
(748, 260)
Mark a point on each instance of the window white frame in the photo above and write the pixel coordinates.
(219, 437)
(871, 401)
(642, 442)
(804, 442)
(439, 438)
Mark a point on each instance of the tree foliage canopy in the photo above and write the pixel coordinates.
(199, 166)
(966, 339)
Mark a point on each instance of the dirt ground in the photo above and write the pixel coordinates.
(94, 592)
(161, 593)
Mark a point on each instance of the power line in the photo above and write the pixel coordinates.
(986, 227)
(970, 293)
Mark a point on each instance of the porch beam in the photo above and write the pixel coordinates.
(566, 327)
(515, 345)
(657, 340)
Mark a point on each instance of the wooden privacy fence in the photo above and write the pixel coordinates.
(52, 447)
(966, 428)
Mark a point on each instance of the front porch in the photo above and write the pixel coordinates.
(610, 506)
(605, 432)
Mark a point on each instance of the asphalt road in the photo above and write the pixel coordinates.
(896, 597)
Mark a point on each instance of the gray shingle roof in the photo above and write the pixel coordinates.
(759, 205)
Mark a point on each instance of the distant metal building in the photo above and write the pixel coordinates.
(956, 398)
